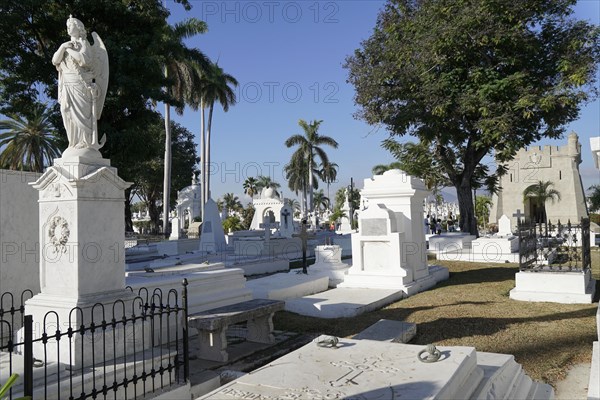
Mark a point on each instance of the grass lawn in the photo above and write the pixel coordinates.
(472, 308)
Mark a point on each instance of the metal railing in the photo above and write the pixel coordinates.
(126, 349)
(554, 247)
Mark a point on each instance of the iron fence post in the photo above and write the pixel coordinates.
(28, 355)
(186, 346)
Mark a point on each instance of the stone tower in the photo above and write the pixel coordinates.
(557, 164)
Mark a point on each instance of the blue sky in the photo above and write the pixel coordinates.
(288, 57)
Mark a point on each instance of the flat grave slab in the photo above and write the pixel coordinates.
(343, 302)
(357, 370)
(387, 330)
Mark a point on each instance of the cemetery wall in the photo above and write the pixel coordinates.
(19, 237)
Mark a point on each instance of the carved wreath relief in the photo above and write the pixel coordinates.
(58, 233)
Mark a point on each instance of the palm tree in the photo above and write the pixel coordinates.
(232, 202)
(309, 148)
(181, 71)
(328, 174)
(296, 173)
(250, 186)
(538, 194)
(321, 201)
(214, 87)
(264, 182)
(29, 140)
(381, 168)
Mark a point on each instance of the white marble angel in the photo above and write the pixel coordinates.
(82, 82)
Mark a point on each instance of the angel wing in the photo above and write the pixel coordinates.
(100, 66)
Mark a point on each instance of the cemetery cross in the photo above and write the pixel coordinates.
(304, 236)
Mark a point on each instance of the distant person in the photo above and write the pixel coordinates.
(450, 223)
(438, 226)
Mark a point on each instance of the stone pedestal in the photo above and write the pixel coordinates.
(328, 261)
(82, 265)
(212, 238)
(555, 287)
(175, 229)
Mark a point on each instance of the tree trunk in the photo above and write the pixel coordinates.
(128, 221)
(208, 129)
(468, 222)
(202, 162)
(167, 168)
(311, 207)
(154, 215)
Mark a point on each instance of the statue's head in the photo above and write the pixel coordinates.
(75, 27)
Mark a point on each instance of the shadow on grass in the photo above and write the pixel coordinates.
(456, 328)
(480, 275)
(344, 327)
(428, 332)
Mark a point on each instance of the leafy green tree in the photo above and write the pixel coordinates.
(538, 194)
(482, 209)
(247, 216)
(135, 34)
(594, 198)
(232, 223)
(340, 198)
(250, 186)
(471, 79)
(309, 147)
(149, 183)
(28, 142)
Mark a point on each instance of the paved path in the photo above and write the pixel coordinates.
(575, 385)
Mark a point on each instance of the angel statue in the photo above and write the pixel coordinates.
(82, 82)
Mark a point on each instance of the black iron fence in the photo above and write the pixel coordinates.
(554, 247)
(128, 349)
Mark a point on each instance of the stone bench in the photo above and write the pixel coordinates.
(212, 325)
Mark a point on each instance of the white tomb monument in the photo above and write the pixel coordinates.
(212, 236)
(188, 203)
(286, 221)
(345, 226)
(389, 251)
(81, 204)
(268, 204)
(504, 226)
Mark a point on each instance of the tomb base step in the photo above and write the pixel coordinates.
(554, 287)
(504, 378)
(286, 286)
(343, 302)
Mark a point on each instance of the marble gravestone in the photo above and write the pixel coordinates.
(286, 221)
(504, 226)
(388, 252)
